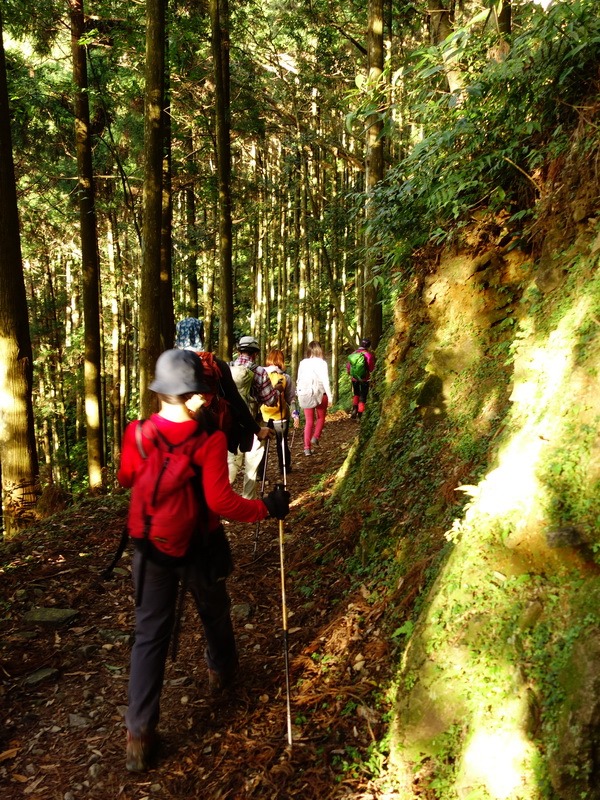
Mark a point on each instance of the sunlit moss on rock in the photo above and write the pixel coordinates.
(492, 466)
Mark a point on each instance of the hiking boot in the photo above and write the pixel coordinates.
(354, 412)
(314, 441)
(140, 752)
(307, 451)
(218, 681)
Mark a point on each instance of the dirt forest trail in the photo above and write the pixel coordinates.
(63, 687)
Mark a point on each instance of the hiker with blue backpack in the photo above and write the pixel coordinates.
(359, 367)
(176, 464)
(314, 394)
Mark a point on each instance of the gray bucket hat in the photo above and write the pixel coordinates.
(179, 372)
(248, 343)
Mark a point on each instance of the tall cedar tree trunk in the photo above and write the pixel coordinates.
(150, 304)
(191, 266)
(89, 255)
(372, 321)
(219, 18)
(17, 436)
(167, 319)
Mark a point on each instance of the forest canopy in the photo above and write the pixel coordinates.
(356, 135)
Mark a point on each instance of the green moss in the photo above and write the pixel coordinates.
(488, 509)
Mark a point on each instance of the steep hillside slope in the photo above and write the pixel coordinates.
(481, 462)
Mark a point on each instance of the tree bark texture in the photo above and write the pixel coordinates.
(374, 170)
(18, 454)
(219, 16)
(150, 305)
(89, 255)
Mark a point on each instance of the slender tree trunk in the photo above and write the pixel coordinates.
(167, 319)
(18, 454)
(441, 23)
(191, 266)
(219, 15)
(89, 254)
(505, 18)
(114, 263)
(55, 380)
(374, 166)
(150, 306)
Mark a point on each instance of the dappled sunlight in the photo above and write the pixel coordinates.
(464, 691)
(488, 412)
(494, 757)
(91, 401)
(13, 409)
(542, 374)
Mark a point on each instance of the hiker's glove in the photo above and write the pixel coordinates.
(296, 418)
(278, 503)
(264, 434)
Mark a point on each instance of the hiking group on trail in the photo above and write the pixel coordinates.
(181, 465)
(255, 386)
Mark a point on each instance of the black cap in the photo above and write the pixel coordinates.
(179, 372)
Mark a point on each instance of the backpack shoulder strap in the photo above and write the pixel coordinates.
(139, 432)
(159, 438)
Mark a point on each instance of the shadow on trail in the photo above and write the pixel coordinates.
(64, 735)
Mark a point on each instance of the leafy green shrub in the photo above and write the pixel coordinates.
(485, 144)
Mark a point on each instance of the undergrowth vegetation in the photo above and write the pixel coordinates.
(487, 147)
(476, 493)
(475, 481)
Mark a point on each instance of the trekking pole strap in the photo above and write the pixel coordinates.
(117, 556)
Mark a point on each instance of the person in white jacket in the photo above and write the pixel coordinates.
(314, 394)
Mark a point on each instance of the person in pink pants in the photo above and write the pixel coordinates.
(314, 393)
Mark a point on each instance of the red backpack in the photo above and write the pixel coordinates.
(167, 505)
(217, 404)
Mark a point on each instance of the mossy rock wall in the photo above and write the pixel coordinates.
(480, 456)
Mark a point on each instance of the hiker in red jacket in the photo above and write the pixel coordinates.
(183, 435)
(359, 367)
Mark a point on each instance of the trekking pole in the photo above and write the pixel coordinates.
(262, 491)
(283, 423)
(178, 616)
(285, 631)
(294, 418)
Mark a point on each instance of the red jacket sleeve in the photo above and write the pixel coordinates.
(220, 497)
(211, 456)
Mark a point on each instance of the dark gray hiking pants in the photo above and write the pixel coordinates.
(154, 620)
